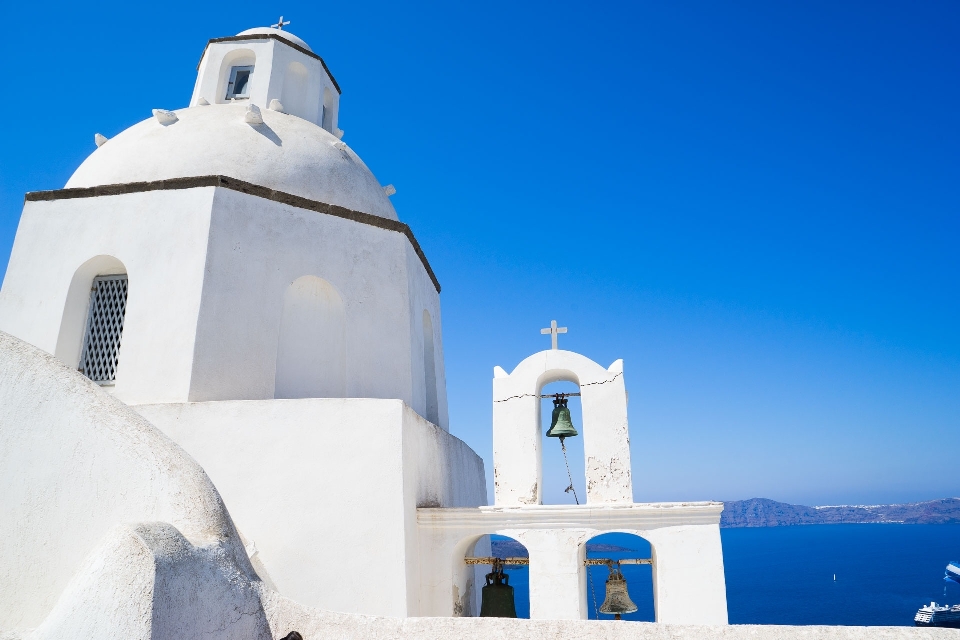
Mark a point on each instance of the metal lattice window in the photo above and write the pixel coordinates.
(101, 344)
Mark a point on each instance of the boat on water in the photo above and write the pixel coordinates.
(953, 572)
(934, 615)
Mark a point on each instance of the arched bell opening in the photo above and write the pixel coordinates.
(494, 579)
(609, 582)
(562, 459)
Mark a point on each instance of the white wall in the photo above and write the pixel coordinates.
(208, 272)
(327, 490)
(160, 237)
(689, 584)
(75, 463)
(280, 72)
(258, 248)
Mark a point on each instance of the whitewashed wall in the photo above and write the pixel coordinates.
(275, 76)
(208, 271)
(327, 490)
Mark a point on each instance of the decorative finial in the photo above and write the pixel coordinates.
(553, 330)
(276, 105)
(99, 138)
(280, 24)
(164, 117)
(389, 190)
(253, 115)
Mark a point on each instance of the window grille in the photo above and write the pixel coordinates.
(101, 344)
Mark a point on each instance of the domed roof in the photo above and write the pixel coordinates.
(285, 153)
(277, 32)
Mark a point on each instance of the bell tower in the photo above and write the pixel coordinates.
(271, 69)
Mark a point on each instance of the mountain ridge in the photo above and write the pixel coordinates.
(763, 512)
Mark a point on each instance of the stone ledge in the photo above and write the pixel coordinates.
(650, 515)
(194, 182)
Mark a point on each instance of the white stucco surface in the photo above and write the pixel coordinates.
(209, 269)
(327, 490)
(299, 82)
(286, 153)
(74, 464)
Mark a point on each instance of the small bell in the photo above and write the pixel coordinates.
(560, 424)
(497, 596)
(618, 600)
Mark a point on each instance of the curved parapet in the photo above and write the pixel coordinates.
(74, 464)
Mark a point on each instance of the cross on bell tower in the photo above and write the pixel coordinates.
(280, 24)
(553, 330)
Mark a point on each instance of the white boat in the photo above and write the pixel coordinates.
(934, 615)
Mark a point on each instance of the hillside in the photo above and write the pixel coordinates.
(761, 512)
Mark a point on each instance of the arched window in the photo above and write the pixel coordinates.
(91, 327)
(311, 352)
(236, 75)
(101, 343)
(430, 371)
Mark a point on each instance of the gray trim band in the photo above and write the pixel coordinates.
(243, 187)
(272, 36)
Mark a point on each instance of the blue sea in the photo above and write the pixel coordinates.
(785, 575)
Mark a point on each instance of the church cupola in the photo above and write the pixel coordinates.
(272, 69)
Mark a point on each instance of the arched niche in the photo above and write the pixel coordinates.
(617, 545)
(469, 580)
(328, 114)
(517, 455)
(430, 371)
(311, 350)
(296, 83)
(73, 322)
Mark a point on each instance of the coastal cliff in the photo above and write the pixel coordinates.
(761, 512)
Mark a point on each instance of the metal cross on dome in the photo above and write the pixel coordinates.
(553, 330)
(280, 24)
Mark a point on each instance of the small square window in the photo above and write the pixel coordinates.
(239, 85)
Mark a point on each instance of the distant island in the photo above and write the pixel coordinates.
(761, 512)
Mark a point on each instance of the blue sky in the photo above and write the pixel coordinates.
(756, 205)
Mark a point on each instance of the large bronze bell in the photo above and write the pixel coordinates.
(618, 600)
(497, 596)
(560, 424)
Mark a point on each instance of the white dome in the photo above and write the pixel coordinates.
(286, 153)
(277, 32)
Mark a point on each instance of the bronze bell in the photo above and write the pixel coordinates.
(560, 424)
(618, 600)
(497, 596)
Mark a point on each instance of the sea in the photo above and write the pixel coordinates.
(837, 574)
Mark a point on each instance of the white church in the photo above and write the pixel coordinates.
(223, 404)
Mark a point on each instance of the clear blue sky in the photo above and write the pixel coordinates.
(756, 205)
